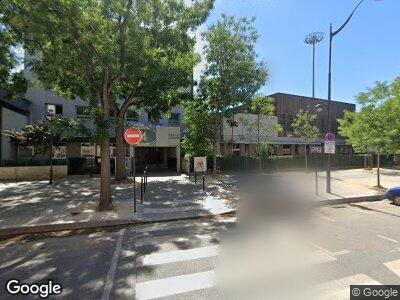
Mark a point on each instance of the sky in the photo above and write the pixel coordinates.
(367, 50)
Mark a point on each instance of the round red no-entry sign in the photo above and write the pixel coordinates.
(133, 136)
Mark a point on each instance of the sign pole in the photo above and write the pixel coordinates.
(316, 173)
(133, 136)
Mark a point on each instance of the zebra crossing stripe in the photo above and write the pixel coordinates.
(340, 288)
(179, 255)
(393, 266)
(174, 285)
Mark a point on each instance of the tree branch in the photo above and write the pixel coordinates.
(122, 43)
(130, 99)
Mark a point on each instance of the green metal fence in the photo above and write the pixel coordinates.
(282, 163)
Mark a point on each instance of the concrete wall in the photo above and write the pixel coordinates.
(32, 172)
(11, 120)
(246, 131)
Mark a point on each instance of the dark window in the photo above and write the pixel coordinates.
(174, 118)
(53, 109)
(132, 115)
(289, 123)
(282, 119)
(247, 148)
(82, 111)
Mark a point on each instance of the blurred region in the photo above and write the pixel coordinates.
(269, 256)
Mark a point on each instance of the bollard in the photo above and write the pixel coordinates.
(134, 193)
(203, 181)
(144, 182)
(141, 190)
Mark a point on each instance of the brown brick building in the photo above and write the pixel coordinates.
(286, 108)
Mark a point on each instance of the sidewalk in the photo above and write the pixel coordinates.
(27, 207)
(71, 203)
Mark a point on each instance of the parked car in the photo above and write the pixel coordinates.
(393, 194)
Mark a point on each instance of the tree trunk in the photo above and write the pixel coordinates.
(378, 167)
(232, 142)
(105, 177)
(305, 157)
(215, 149)
(105, 202)
(120, 170)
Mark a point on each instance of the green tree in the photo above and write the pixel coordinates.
(303, 127)
(197, 140)
(376, 127)
(232, 74)
(39, 134)
(12, 81)
(112, 53)
(264, 108)
(232, 123)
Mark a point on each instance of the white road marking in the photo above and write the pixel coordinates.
(337, 253)
(174, 285)
(340, 288)
(171, 239)
(388, 239)
(113, 267)
(326, 218)
(320, 256)
(179, 255)
(393, 266)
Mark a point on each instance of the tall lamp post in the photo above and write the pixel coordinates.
(312, 39)
(332, 34)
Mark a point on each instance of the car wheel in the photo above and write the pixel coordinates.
(396, 200)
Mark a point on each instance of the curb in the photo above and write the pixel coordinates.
(110, 223)
(4, 232)
(329, 202)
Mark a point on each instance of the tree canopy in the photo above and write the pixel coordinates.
(111, 53)
(303, 126)
(376, 126)
(48, 132)
(233, 73)
(12, 81)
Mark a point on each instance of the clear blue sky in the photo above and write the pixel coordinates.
(368, 49)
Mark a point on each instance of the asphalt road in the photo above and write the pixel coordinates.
(211, 258)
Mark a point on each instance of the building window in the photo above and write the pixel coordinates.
(282, 119)
(289, 123)
(132, 115)
(247, 148)
(53, 109)
(174, 119)
(82, 111)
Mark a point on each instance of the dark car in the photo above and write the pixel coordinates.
(393, 194)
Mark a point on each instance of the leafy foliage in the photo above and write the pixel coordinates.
(112, 53)
(376, 127)
(12, 81)
(377, 124)
(303, 126)
(44, 133)
(232, 75)
(199, 134)
(264, 108)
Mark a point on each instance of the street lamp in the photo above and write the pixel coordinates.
(332, 34)
(312, 39)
